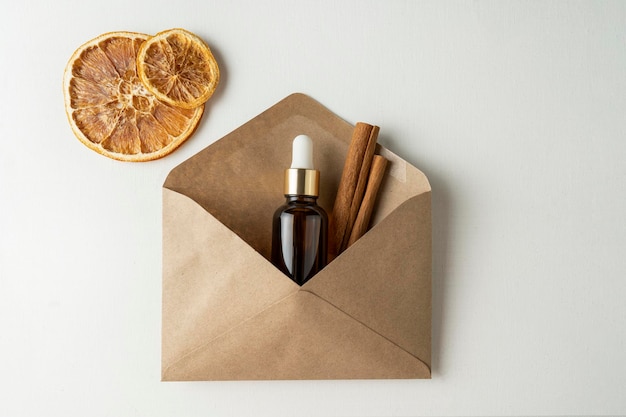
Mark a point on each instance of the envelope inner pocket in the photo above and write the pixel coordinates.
(239, 179)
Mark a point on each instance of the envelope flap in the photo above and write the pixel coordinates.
(384, 279)
(239, 178)
(300, 337)
(212, 280)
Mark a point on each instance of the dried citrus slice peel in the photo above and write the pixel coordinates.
(178, 68)
(109, 108)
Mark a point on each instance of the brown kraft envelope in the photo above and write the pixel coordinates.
(229, 314)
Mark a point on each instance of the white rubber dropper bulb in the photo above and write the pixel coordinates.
(302, 153)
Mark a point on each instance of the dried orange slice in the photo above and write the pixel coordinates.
(178, 68)
(111, 111)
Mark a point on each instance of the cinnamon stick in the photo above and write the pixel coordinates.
(361, 224)
(352, 185)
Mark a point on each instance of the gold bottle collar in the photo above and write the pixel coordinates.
(302, 182)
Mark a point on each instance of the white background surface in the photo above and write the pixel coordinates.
(515, 111)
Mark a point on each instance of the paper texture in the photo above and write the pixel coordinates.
(229, 314)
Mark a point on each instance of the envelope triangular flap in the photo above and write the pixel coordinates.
(201, 298)
(301, 337)
(383, 280)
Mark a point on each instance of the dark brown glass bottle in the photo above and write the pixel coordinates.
(299, 242)
(300, 226)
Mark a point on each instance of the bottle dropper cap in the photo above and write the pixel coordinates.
(302, 178)
(302, 152)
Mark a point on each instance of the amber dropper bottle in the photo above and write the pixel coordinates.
(300, 226)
